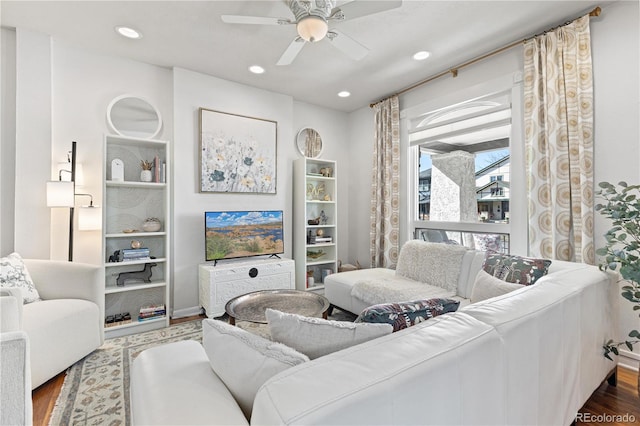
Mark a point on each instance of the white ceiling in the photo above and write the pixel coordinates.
(191, 35)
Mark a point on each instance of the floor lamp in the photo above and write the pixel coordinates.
(61, 193)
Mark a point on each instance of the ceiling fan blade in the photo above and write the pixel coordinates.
(254, 20)
(292, 51)
(356, 9)
(347, 45)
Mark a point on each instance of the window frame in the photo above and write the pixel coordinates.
(518, 221)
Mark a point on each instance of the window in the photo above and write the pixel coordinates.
(463, 174)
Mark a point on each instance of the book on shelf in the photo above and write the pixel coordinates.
(156, 169)
(135, 254)
(152, 311)
(323, 240)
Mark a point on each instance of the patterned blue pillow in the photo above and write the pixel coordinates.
(405, 314)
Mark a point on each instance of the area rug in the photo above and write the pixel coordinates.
(96, 388)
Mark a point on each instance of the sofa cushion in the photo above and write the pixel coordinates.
(488, 286)
(13, 273)
(316, 337)
(431, 263)
(244, 361)
(515, 269)
(405, 314)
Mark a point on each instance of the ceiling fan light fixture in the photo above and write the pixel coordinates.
(312, 28)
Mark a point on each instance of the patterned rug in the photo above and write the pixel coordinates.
(96, 388)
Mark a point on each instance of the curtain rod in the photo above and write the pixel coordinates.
(454, 70)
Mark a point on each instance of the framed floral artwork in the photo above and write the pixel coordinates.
(237, 153)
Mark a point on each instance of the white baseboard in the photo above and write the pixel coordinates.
(186, 312)
(630, 360)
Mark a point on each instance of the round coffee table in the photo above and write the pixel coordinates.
(252, 306)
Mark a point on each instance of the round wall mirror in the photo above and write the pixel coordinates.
(133, 116)
(309, 143)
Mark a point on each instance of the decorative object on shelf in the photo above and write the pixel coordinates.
(318, 190)
(314, 222)
(309, 191)
(323, 218)
(320, 232)
(134, 116)
(309, 143)
(622, 250)
(115, 257)
(310, 280)
(117, 319)
(128, 231)
(326, 171)
(327, 197)
(311, 239)
(145, 174)
(315, 254)
(237, 153)
(117, 170)
(136, 244)
(144, 275)
(152, 224)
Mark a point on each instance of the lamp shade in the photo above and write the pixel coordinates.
(89, 218)
(60, 194)
(312, 28)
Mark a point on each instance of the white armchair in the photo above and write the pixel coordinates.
(68, 323)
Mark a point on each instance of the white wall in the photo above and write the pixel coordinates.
(8, 137)
(84, 83)
(32, 143)
(615, 46)
(190, 92)
(333, 127)
(360, 153)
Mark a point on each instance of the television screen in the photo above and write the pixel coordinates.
(233, 234)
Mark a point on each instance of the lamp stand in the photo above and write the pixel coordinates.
(71, 209)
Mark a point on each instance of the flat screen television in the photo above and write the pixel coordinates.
(235, 234)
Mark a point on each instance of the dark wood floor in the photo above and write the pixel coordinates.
(607, 403)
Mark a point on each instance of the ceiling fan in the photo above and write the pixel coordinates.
(312, 19)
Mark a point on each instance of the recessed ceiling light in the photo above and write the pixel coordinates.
(422, 55)
(256, 69)
(344, 94)
(128, 32)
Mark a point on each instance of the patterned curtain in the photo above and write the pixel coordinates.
(558, 108)
(385, 190)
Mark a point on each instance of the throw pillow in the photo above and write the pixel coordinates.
(487, 286)
(13, 273)
(244, 361)
(515, 269)
(405, 314)
(316, 337)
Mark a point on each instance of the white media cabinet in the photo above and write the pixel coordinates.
(222, 282)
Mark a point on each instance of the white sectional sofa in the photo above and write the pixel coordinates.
(532, 356)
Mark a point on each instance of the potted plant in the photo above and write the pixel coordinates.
(622, 250)
(145, 174)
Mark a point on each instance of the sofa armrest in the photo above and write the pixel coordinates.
(15, 388)
(10, 309)
(68, 280)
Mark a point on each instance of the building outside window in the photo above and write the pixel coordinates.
(464, 168)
